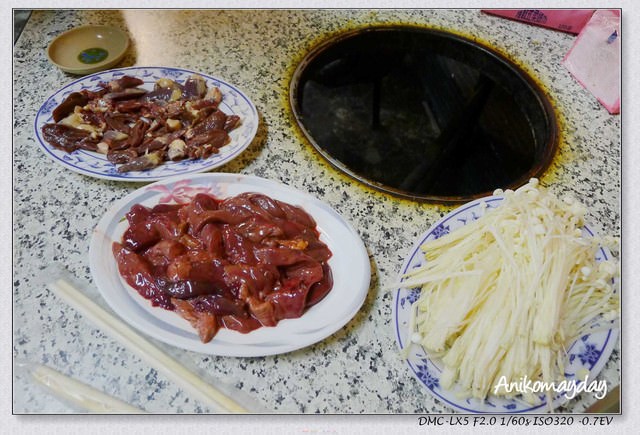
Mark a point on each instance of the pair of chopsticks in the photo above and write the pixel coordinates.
(152, 355)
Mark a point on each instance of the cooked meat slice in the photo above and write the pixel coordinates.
(194, 87)
(68, 138)
(142, 163)
(68, 105)
(123, 83)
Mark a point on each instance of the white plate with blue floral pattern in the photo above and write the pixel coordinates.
(590, 352)
(349, 267)
(96, 165)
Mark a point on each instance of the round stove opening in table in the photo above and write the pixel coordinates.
(423, 114)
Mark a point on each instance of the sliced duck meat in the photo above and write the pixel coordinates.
(68, 138)
(68, 105)
(172, 122)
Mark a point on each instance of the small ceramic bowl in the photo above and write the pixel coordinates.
(88, 49)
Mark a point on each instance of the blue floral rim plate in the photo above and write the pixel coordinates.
(590, 352)
(96, 165)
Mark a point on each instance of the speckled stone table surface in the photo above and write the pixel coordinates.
(357, 369)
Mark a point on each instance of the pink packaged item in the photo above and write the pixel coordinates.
(566, 20)
(594, 59)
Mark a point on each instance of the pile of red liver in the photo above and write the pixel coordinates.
(240, 263)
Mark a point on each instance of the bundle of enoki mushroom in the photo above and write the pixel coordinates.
(507, 294)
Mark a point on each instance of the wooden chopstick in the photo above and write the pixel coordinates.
(162, 362)
(79, 393)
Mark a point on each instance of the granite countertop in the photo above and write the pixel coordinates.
(357, 369)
